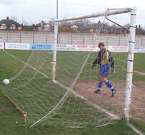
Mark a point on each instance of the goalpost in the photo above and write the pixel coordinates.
(131, 45)
(130, 64)
(50, 77)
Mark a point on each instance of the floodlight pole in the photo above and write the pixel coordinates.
(55, 43)
(129, 76)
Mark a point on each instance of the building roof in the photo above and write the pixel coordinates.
(9, 22)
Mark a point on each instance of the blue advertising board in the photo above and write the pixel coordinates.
(42, 47)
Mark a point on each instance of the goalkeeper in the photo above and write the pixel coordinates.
(105, 61)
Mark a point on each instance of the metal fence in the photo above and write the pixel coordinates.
(69, 38)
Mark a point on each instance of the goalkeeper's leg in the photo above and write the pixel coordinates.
(104, 71)
(109, 84)
(99, 86)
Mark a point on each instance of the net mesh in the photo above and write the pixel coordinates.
(31, 88)
(116, 39)
(71, 101)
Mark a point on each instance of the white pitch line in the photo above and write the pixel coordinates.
(26, 64)
(80, 96)
(113, 116)
(81, 70)
(69, 89)
(140, 73)
(50, 112)
(135, 129)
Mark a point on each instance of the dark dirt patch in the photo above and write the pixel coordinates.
(115, 104)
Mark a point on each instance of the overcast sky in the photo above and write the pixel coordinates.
(33, 11)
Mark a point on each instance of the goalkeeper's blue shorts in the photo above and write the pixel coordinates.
(104, 70)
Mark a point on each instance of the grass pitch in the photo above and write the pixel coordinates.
(37, 94)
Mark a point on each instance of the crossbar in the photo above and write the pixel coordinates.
(111, 12)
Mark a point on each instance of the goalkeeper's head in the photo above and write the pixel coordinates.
(101, 45)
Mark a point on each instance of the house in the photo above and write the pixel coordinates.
(3, 26)
(43, 26)
(8, 24)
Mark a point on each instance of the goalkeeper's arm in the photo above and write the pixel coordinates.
(95, 63)
(97, 60)
(111, 60)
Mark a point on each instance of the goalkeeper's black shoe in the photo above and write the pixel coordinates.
(98, 91)
(113, 92)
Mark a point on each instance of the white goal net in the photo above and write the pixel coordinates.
(51, 78)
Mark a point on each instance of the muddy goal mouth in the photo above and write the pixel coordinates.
(115, 105)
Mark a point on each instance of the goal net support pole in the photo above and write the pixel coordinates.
(55, 44)
(129, 76)
(55, 51)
